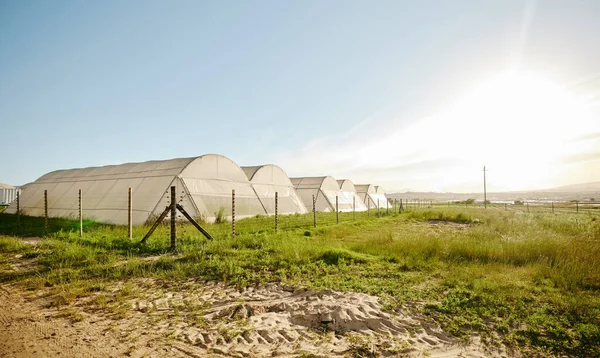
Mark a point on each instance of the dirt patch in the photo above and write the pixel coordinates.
(18, 263)
(199, 319)
(32, 240)
(446, 223)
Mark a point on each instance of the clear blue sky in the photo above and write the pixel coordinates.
(307, 85)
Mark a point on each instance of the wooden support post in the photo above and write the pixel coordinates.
(46, 226)
(173, 209)
(401, 208)
(354, 206)
(80, 216)
(189, 217)
(577, 206)
(156, 223)
(129, 214)
(276, 217)
(314, 212)
(387, 207)
(233, 213)
(337, 211)
(368, 206)
(552, 207)
(378, 213)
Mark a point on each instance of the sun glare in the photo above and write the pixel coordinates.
(520, 124)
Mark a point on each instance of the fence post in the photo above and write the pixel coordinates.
(173, 215)
(80, 216)
(314, 212)
(527, 206)
(552, 207)
(276, 217)
(129, 214)
(378, 213)
(387, 207)
(400, 208)
(18, 208)
(233, 213)
(354, 206)
(46, 209)
(337, 211)
(577, 206)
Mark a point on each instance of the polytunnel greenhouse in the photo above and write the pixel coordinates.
(204, 187)
(270, 179)
(380, 196)
(325, 189)
(368, 193)
(351, 200)
(8, 193)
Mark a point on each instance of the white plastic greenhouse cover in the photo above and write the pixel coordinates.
(368, 193)
(8, 193)
(351, 198)
(380, 195)
(204, 186)
(269, 179)
(325, 189)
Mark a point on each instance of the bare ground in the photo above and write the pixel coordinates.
(152, 318)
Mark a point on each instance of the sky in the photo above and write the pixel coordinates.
(410, 95)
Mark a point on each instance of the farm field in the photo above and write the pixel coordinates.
(427, 282)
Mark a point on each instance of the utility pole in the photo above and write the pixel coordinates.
(484, 190)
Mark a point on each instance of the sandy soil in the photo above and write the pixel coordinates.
(150, 318)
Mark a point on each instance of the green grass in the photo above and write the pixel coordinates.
(530, 281)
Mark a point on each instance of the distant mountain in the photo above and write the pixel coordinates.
(575, 188)
(583, 191)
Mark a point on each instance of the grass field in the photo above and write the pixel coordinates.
(528, 281)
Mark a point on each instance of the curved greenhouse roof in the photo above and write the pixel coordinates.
(348, 191)
(325, 189)
(372, 195)
(380, 196)
(204, 185)
(270, 179)
(368, 194)
(6, 186)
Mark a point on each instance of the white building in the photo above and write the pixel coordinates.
(8, 194)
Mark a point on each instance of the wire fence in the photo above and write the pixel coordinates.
(232, 225)
(176, 207)
(548, 207)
